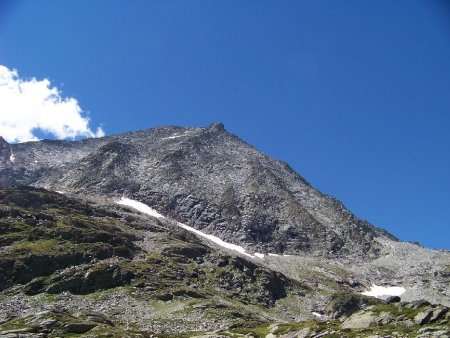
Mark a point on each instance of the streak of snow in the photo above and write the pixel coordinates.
(259, 255)
(216, 240)
(317, 314)
(175, 136)
(384, 291)
(60, 192)
(12, 158)
(149, 211)
(172, 137)
(139, 206)
(274, 255)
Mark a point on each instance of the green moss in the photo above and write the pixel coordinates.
(40, 247)
(255, 329)
(45, 297)
(14, 324)
(396, 310)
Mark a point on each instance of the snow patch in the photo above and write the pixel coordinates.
(274, 255)
(317, 314)
(12, 158)
(382, 292)
(140, 207)
(259, 255)
(175, 136)
(172, 137)
(60, 192)
(215, 239)
(149, 211)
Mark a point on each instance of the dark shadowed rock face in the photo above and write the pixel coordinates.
(6, 165)
(205, 177)
(5, 150)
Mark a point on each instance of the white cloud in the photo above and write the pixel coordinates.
(30, 105)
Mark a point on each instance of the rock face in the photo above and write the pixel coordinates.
(5, 150)
(205, 177)
(6, 165)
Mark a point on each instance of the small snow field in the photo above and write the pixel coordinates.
(140, 207)
(382, 292)
(172, 137)
(12, 158)
(186, 133)
(317, 314)
(151, 212)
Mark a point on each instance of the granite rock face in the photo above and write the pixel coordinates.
(205, 177)
(7, 176)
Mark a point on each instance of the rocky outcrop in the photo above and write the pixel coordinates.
(7, 172)
(82, 281)
(42, 232)
(5, 150)
(407, 317)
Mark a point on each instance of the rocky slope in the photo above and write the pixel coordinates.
(205, 177)
(68, 256)
(73, 266)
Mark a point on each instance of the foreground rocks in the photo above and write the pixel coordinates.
(376, 321)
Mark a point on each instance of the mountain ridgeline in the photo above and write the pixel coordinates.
(205, 177)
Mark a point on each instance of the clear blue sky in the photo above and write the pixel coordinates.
(355, 95)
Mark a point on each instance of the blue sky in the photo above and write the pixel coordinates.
(353, 94)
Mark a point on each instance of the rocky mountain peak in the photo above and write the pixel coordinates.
(219, 126)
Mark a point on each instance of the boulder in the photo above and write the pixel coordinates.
(393, 299)
(423, 317)
(79, 328)
(359, 320)
(438, 313)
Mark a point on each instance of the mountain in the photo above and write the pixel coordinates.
(207, 178)
(118, 234)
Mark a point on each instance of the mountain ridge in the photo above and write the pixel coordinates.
(231, 188)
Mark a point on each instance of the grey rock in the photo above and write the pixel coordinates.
(303, 333)
(360, 320)
(423, 317)
(437, 314)
(393, 299)
(81, 327)
(385, 318)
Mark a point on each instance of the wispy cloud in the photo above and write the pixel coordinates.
(30, 105)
